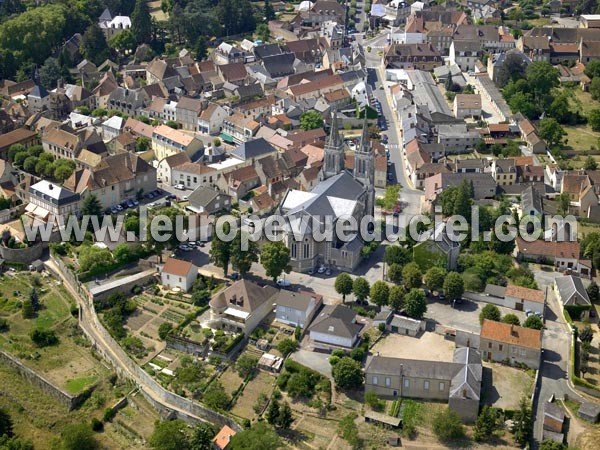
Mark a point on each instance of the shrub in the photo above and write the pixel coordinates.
(97, 425)
(448, 426)
(43, 338)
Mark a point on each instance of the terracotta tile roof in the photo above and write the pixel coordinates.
(469, 101)
(15, 136)
(534, 295)
(222, 439)
(177, 267)
(338, 94)
(511, 334)
(315, 85)
(195, 168)
(574, 184)
(174, 135)
(523, 161)
(550, 249)
(499, 127)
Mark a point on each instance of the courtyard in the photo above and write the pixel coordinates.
(426, 346)
(504, 386)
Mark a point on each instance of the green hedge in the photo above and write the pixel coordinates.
(576, 310)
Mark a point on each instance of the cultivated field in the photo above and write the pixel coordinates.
(262, 383)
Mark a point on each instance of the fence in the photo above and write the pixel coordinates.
(112, 352)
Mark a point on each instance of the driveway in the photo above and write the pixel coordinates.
(316, 361)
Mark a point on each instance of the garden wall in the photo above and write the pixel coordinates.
(22, 255)
(69, 401)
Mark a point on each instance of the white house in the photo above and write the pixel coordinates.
(48, 201)
(335, 326)
(177, 273)
(211, 119)
(296, 308)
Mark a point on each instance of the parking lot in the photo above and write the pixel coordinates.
(432, 345)
(443, 313)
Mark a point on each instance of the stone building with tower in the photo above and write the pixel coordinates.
(339, 195)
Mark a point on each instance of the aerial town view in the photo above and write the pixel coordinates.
(310, 225)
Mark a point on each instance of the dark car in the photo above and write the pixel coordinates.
(107, 211)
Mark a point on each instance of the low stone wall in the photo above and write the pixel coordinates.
(22, 255)
(69, 401)
(187, 346)
(122, 285)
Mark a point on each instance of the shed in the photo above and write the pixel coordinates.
(382, 419)
(36, 266)
(405, 325)
(554, 417)
(589, 411)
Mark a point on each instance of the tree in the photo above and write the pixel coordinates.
(311, 120)
(490, 312)
(43, 338)
(373, 401)
(6, 424)
(487, 422)
(93, 44)
(273, 412)
(454, 286)
(91, 206)
(348, 374)
(434, 278)
(586, 335)
(593, 292)
(380, 292)
(77, 437)
(164, 330)
(590, 163)
(263, 33)
(522, 423)
(287, 346)
(202, 437)
(27, 309)
(563, 202)
(286, 417)
(447, 425)
(123, 42)
(343, 285)
(220, 251)
(35, 299)
(169, 435)
(215, 397)
(259, 437)
(396, 254)
(389, 200)
(595, 88)
(412, 276)
(142, 144)
(396, 297)
(511, 319)
(394, 273)
(275, 258)
(241, 260)
(534, 322)
(269, 12)
(542, 77)
(551, 131)
(349, 431)
(361, 289)
(415, 304)
(592, 69)
(549, 444)
(50, 73)
(141, 22)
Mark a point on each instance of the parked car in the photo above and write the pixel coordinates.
(114, 210)
(107, 211)
(180, 186)
(283, 282)
(185, 198)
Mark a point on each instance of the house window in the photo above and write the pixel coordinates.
(168, 277)
(388, 381)
(426, 385)
(294, 250)
(442, 386)
(489, 345)
(375, 380)
(406, 383)
(500, 346)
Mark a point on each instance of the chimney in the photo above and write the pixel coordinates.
(50, 186)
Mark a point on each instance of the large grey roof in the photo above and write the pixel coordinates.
(296, 300)
(252, 149)
(467, 382)
(336, 320)
(202, 196)
(571, 288)
(531, 199)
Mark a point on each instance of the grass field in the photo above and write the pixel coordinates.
(69, 364)
(581, 137)
(262, 383)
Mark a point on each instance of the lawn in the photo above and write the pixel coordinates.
(581, 138)
(262, 383)
(77, 385)
(230, 380)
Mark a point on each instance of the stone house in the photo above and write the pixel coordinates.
(514, 344)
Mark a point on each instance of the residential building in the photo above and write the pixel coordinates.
(241, 307)
(467, 105)
(178, 274)
(458, 382)
(48, 201)
(297, 309)
(223, 438)
(335, 327)
(464, 54)
(23, 136)
(412, 56)
(187, 111)
(193, 175)
(211, 119)
(238, 128)
(570, 291)
(516, 297)
(208, 200)
(167, 141)
(503, 342)
(164, 170)
(564, 255)
(504, 172)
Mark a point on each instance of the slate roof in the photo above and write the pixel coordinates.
(297, 300)
(253, 149)
(467, 382)
(249, 296)
(572, 291)
(336, 320)
(203, 196)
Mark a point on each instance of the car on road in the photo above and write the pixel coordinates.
(283, 282)
(118, 207)
(150, 196)
(171, 197)
(390, 176)
(389, 163)
(185, 198)
(107, 211)
(180, 186)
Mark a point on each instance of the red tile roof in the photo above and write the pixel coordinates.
(511, 334)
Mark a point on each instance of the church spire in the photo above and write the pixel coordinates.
(364, 139)
(364, 167)
(334, 150)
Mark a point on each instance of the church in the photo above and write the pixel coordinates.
(340, 194)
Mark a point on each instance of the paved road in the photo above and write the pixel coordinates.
(556, 343)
